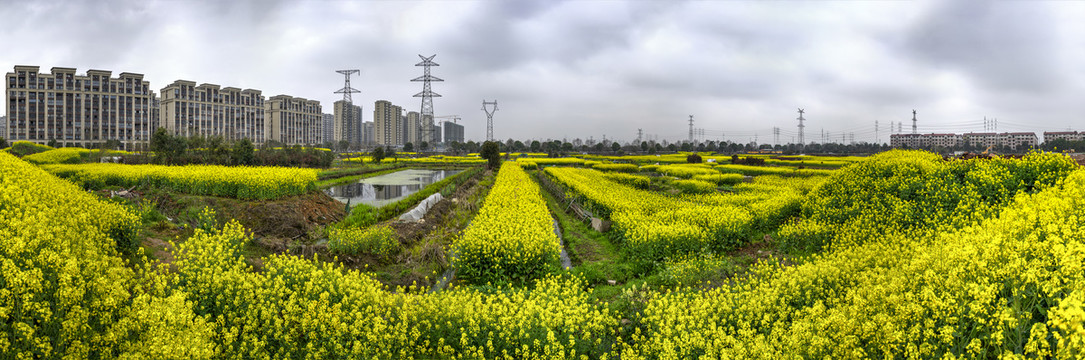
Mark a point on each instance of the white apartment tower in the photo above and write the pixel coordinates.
(76, 109)
(210, 110)
(293, 120)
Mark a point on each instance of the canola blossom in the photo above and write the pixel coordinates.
(653, 225)
(65, 291)
(512, 236)
(1006, 283)
(243, 182)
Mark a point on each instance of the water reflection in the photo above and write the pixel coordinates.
(386, 189)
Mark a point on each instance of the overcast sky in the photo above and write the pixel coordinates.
(576, 69)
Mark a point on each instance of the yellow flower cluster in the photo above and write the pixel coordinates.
(653, 225)
(770, 170)
(910, 191)
(1006, 286)
(628, 168)
(58, 156)
(720, 179)
(637, 181)
(552, 161)
(298, 308)
(686, 171)
(245, 182)
(512, 236)
(65, 291)
(377, 240)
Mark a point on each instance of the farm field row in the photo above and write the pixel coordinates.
(906, 255)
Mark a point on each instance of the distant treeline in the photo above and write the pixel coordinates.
(214, 150)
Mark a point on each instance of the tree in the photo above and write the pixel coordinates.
(423, 146)
(378, 154)
(3, 143)
(536, 146)
(492, 154)
(408, 147)
(389, 152)
(672, 148)
(693, 158)
(52, 143)
(643, 146)
(244, 153)
(615, 146)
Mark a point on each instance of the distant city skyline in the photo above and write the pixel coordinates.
(580, 69)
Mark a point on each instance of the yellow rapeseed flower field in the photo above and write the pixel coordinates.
(244, 182)
(512, 236)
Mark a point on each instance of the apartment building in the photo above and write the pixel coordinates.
(78, 109)
(327, 128)
(412, 129)
(387, 124)
(3, 126)
(982, 139)
(1064, 135)
(453, 132)
(1015, 140)
(911, 141)
(367, 133)
(187, 109)
(941, 140)
(293, 120)
(1019, 140)
(348, 120)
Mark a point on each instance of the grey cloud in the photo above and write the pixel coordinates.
(1001, 45)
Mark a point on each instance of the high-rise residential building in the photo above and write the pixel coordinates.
(293, 120)
(413, 129)
(367, 133)
(78, 110)
(387, 124)
(210, 110)
(328, 128)
(453, 132)
(348, 121)
(4, 126)
(434, 130)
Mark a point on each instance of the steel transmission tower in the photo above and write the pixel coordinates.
(427, 95)
(913, 122)
(802, 141)
(348, 108)
(691, 129)
(489, 118)
(775, 136)
(640, 135)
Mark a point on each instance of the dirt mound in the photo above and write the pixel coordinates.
(295, 217)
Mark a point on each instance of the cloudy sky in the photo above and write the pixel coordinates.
(580, 69)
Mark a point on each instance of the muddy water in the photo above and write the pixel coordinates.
(382, 190)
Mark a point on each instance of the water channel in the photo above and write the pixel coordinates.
(382, 190)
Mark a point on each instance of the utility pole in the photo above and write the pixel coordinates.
(489, 118)
(876, 137)
(801, 126)
(427, 96)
